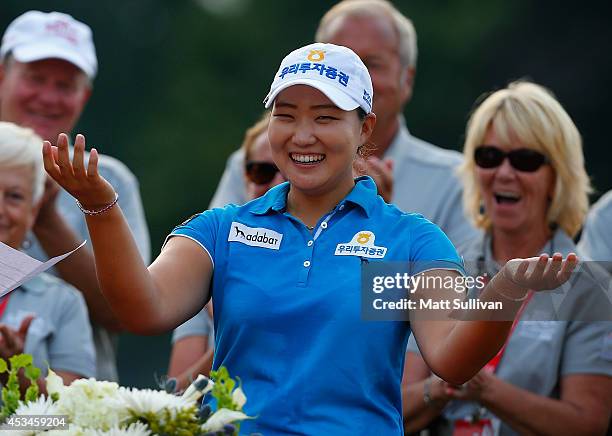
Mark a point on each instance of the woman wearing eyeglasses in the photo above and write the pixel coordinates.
(526, 188)
(287, 266)
(192, 342)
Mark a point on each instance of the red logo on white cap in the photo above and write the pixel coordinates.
(62, 29)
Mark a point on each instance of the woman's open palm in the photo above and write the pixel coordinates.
(541, 273)
(83, 183)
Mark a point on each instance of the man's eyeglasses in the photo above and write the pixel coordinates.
(522, 159)
(260, 173)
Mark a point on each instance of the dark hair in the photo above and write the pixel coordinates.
(361, 113)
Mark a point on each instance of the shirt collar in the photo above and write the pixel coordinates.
(363, 195)
(275, 199)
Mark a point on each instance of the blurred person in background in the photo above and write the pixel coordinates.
(193, 341)
(526, 188)
(45, 317)
(47, 65)
(596, 240)
(412, 174)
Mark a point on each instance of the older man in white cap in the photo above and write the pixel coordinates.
(47, 65)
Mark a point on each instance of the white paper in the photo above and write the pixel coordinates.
(16, 267)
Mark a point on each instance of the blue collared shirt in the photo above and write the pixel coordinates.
(288, 309)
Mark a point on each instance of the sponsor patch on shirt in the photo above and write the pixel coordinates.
(255, 236)
(361, 245)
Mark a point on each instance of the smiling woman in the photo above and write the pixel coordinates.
(286, 283)
(526, 187)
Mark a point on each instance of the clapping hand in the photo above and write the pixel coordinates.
(83, 183)
(540, 273)
(12, 342)
(474, 388)
(381, 170)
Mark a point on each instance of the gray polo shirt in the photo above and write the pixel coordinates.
(425, 182)
(200, 325)
(596, 241)
(60, 334)
(126, 185)
(539, 353)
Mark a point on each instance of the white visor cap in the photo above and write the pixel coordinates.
(334, 70)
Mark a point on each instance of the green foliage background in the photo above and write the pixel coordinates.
(179, 83)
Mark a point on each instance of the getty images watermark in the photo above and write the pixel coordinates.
(398, 291)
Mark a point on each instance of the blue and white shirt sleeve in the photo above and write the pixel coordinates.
(203, 229)
(431, 249)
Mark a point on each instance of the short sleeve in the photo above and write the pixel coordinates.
(71, 348)
(203, 229)
(595, 242)
(431, 249)
(199, 325)
(587, 348)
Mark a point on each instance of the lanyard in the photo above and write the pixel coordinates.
(491, 366)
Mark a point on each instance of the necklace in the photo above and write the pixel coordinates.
(310, 227)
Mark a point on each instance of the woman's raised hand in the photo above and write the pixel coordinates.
(84, 183)
(540, 273)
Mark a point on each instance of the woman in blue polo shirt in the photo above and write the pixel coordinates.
(287, 266)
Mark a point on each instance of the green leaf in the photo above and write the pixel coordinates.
(20, 361)
(222, 390)
(3, 365)
(31, 393)
(32, 373)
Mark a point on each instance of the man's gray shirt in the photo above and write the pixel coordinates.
(596, 240)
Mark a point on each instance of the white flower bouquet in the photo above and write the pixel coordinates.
(98, 408)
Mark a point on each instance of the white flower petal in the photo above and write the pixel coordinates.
(55, 384)
(40, 406)
(222, 417)
(141, 401)
(192, 393)
(238, 398)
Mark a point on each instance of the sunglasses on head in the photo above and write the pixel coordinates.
(522, 159)
(260, 173)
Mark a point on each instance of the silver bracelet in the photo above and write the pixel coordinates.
(99, 211)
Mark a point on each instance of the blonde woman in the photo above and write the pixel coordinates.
(526, 189)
